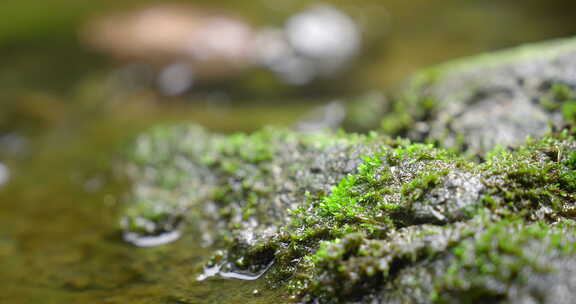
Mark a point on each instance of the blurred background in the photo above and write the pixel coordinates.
(79, 78)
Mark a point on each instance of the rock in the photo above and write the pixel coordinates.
(324, 209)
(211, 43)
(242, 185)
(495, 99)
(331, 217)
(174, 46)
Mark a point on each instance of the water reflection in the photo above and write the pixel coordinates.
(151, 241)
(222, 270)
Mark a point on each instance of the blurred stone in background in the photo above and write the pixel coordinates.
(318, 42)
(184, 44)
(180, 42)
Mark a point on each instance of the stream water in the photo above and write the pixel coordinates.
(62, 127)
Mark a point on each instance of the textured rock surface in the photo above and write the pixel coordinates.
(347, 217)
(342, 218)
(494, 99)
(237, 189)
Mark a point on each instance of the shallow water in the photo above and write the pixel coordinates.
(59, 237)
(60, 241)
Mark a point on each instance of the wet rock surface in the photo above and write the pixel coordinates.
(477, 103)
(237, 190)
(332, 217)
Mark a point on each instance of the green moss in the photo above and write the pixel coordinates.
(254, 148)
(342, 203)
(561, 97)
(416, 188)
(518, 183)
(181, 166)
(522, 53)
(556, 96)
(453, 104)
(538, 176)
(374, 199)
(507, 253)
(406, 111)
(354, 266)
(151, 217)
(569, 111)
(346, 215)
(411, 106)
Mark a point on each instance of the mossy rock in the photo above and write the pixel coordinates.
(500, 98)
(479, 207)
(343, 218)
(235, 189)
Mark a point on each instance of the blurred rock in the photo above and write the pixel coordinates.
(315, 43)
(503, 98)
(500, 98)
(186, 45)
(183, 42)
(331, 217)
(329, 116)
(4, 174)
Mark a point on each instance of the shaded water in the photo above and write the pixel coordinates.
(61, 130)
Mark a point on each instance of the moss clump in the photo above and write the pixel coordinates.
(504, 258)
(408, 110)
(365, 218)
(537, 180)
(161, 161)
(534, 183)
(351, 217)
(476, 103)
(235, 189)
(354, 267)
(555, 94)
(392, 188)
(569, 111)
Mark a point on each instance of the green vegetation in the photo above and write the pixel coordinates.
(556, 95)
(538, 176)
(410, 108)
(473, 104)
(506, 253)
(359, 211)
(348, 217)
